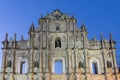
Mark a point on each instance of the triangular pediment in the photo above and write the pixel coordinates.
(57, 14)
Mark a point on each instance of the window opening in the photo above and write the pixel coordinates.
(57, 27)
(23, 68)
(57, 42)
(58, 67)
(94, 68)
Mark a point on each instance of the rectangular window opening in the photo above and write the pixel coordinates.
(23, 68)
(58, 67)
(57, 28)
(94, 68)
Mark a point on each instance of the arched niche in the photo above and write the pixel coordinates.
(58, 42)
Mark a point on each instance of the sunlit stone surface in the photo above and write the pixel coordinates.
(58, 39)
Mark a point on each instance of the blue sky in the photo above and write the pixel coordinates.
(16, 16)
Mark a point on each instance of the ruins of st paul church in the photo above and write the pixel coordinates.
(58, 39)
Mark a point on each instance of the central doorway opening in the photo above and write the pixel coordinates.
(58, 67)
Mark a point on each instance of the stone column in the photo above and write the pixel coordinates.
(104, 57)
(4, 53)
(85, 55)
(103, 50)
(76, 50)
(31, 50)
(104, 64)
(40, 60)
(14, 61)
(39, 53)
(87, 62)
(114, 61)
(41, 56)
(74, 33)
(114, 58)
(28, 62)
(46, 56)
(68, 67)
(14, 55)
(104, 61)
(114, 64)
(44, 60)
(70, 62)
(31, 60)
(3, 61)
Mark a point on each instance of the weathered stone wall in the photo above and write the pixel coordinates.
(76, 51)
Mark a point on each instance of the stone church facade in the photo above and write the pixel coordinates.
(58, 39)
